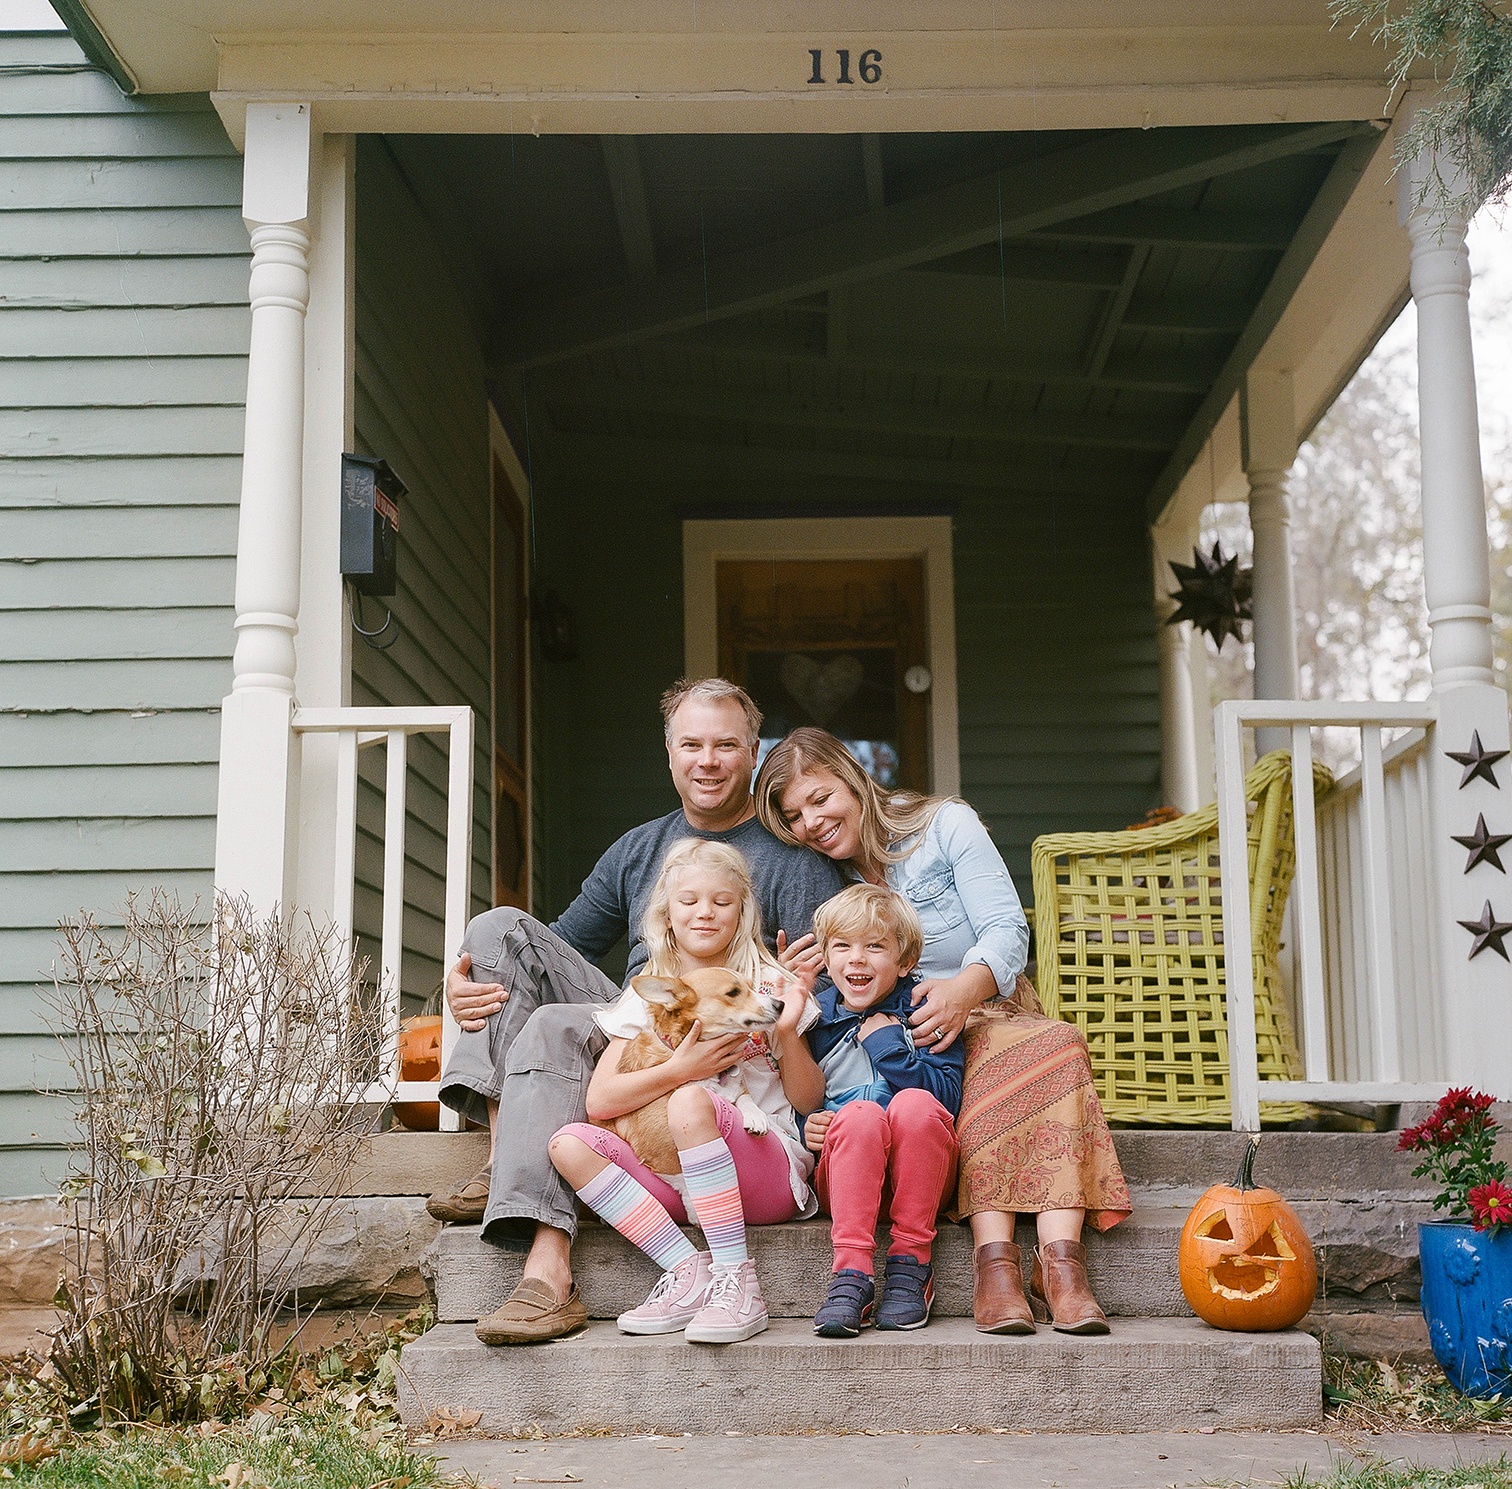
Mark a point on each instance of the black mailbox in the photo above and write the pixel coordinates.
(370, 493)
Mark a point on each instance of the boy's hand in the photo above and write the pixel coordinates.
(814, 1128)
(875, 1022)
(803, 960)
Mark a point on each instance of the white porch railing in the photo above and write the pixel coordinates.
(356, 729)
(1367, 988)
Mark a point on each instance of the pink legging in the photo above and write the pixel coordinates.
(761, 1166)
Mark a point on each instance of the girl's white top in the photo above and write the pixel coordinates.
(755, 1070)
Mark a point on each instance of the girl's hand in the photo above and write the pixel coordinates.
(794, 996)
(693, 1061)
(814, 1128)
(946, 1003)
(804, 959)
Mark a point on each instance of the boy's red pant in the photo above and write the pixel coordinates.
(909, 1150)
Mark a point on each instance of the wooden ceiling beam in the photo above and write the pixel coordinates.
(951, 421)
(1102, 344)
(1025, 264)
(627, 186)
(1109, 171)
(1234, 232)
(584, 458)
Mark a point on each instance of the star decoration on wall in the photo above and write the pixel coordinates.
(1214, 594)
(1488, 931)
(1477, 761)
(1483, 845)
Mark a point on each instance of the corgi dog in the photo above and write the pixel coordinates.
(723, 1003)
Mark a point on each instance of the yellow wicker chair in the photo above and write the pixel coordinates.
(1129, 940)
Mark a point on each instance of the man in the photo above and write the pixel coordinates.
(529, 1041)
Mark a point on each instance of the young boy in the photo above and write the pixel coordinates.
(888, 1121)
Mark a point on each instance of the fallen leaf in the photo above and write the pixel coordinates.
(26, 1448)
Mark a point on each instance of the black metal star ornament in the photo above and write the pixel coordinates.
(1214, 594)
(1483, 845)
(1477, 761)
(1488, 931)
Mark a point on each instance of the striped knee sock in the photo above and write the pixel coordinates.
(710, 1173)
(638, 1216)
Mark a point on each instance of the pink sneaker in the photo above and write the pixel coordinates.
(674, 1301)
(735, 1309)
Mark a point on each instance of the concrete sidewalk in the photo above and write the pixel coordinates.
(952, 1460)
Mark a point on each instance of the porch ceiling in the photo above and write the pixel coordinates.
(1057, 311)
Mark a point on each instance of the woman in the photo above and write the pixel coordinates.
(1032, 1132)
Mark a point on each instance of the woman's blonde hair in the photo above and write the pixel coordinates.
(746, 955)
(887, 819)
(871, 910)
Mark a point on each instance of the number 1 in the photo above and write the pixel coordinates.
(816, 76)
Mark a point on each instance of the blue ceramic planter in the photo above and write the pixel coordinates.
(1467, 1300)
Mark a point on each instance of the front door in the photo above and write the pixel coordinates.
(836, 643)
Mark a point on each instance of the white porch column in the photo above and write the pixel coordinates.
(253, 815)
(1268, 424)
(1456, 578)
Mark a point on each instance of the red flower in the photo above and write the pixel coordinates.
(1491, 1204)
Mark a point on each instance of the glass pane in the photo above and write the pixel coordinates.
(851, 691)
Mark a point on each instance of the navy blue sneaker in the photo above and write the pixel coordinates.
(847, 1305)
(907, 1294)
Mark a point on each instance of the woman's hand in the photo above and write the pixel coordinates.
(814, 1128)
(946, 1002)
(803, 960)
(471, 1003)
(694, 1060)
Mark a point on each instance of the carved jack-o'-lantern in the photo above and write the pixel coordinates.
(1246, 1262)
(420, 1060)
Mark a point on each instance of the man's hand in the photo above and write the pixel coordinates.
(814, 1128)
(875, 1022)
(946, 1003)
(472, 1002)
(695, 1060)
(803, 960)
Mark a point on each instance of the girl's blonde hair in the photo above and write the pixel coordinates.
(746, 955)
(887, 819)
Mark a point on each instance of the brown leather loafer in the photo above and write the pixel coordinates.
(998, 1302)
(1060, 1283)
(466, 1206)
(532, 1315)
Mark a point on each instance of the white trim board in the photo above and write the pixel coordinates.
(706, 542)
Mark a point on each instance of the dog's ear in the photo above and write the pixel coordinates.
(658, 990)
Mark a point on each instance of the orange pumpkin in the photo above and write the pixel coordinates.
(1246, 1262)
(420, 1060)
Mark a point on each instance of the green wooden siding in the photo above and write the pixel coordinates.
(123, 335)
(421, 405)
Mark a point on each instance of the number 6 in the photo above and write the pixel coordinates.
(870, 66)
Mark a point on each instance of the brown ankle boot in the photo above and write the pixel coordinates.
(998, 1300)
(1060, 1282)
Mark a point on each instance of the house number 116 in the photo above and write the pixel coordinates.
(868, 65)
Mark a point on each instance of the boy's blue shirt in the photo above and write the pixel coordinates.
(897, 1063)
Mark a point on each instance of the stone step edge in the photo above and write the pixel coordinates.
(1147, 1374)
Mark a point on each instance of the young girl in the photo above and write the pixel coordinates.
(702, 913)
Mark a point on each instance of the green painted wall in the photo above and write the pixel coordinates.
(421, 405)
(1057, 666)
(123, 335)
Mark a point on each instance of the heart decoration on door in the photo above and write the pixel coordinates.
(824, 689)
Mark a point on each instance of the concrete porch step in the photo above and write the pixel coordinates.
(1132, 1268)
(1148, 1374)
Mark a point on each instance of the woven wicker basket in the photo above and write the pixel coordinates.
(1129, 940)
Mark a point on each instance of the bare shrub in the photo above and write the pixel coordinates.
(219, 1070)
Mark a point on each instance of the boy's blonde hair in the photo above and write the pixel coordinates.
(746, 954)
(871, 909)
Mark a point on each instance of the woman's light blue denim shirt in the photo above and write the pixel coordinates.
(956, 879)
